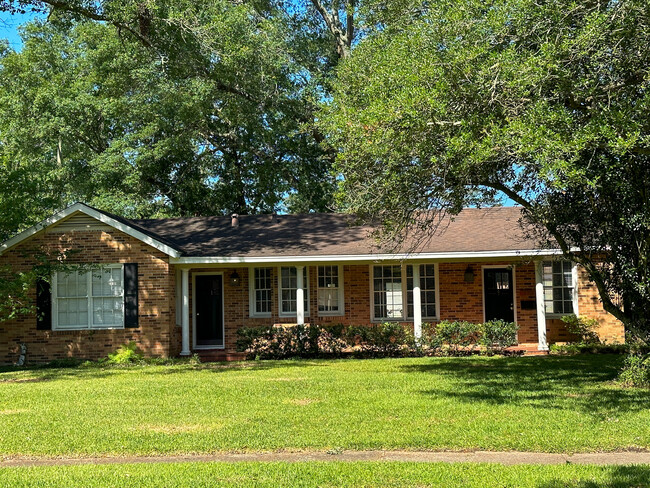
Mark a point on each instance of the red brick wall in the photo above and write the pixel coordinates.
(158, 334)
(356, 288)
(459, 300)
(99, 247)
(609, 328)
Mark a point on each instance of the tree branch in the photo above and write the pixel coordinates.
(341, 41)
(91, 14)
(580, 257)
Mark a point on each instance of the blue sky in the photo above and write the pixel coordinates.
(9, 25)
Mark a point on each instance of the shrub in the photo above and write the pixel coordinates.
(247, 336)
(126, 354)
(496, 335)
(636, 371)
(330, 340)
(585, 329)
(459, 336)
(281, 342)
(386, 339)
(431, 341)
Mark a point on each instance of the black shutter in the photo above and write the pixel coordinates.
(131, 295)
(43, 305)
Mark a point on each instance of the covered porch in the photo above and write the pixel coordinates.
(215, 299)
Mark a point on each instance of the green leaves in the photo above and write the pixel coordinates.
(546, 105)
(211, 115)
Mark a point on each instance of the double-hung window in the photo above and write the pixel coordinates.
(330, 291)
(388, 292)
(559, 278)
(89, 299)
(288, 285)
(427, 291)
(392, 287)
(261, 286)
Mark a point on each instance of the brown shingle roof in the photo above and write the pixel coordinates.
(473, 230)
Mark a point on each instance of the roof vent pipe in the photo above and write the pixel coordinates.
(235, 220)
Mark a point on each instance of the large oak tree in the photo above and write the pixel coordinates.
(544, 103)
(164, 108)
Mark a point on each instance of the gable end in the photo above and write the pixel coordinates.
(97, 218)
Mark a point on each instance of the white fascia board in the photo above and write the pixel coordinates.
(366, 257)
(91, 212)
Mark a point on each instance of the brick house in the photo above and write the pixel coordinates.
(184, 285)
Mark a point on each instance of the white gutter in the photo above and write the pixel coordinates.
(365, 257)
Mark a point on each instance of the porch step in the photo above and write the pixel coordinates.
(535, 353)
(527, 350)
(219, 356)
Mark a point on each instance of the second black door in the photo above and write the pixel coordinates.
(498, 296)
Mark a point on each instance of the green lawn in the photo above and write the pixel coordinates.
(328, 474)
(558, 404)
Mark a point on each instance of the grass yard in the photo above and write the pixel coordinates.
(329, 474)
(555, 404)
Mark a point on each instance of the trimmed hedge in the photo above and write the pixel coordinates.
(388, 339)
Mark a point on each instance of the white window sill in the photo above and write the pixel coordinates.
(331, 314)
(424, 319)
(558, 315)
(65, 329)
(260, 316)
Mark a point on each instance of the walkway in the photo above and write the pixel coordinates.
(505, 458)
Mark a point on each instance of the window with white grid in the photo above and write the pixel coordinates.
(330, 290)
(559, 287)
(288, 290)
(388, 296)
(427, 290)
(89, 299)
(261, 292)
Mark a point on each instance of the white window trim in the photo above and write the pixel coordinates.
(307, 295)
(89, 326)
(341, 311)
(404, 317)
(252, 296)
(574, 278)
(436, 290)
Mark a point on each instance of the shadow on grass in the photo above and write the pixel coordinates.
(88, 370)
(617, 477)
(583, 382)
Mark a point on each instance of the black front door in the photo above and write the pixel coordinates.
(209, 311)
(498, 296)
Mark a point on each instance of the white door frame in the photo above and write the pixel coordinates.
(514, 286)
(223, 310)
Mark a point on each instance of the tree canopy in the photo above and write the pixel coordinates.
(151, 108)
(545, 104)
(164, 108)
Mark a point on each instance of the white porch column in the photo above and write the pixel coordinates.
(185, 314)
(300, 295)
(541, 309)
(417, 303)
